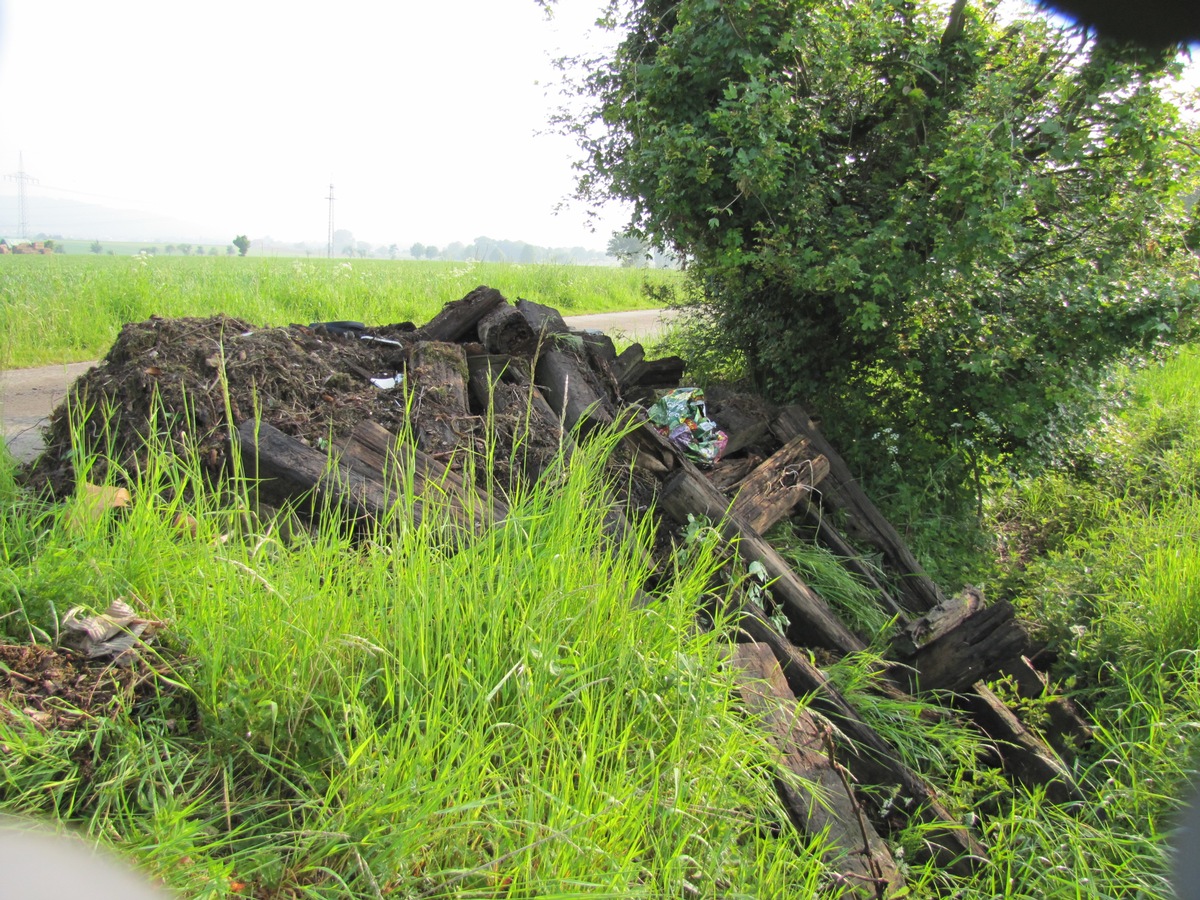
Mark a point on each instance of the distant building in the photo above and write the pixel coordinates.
(15, 247)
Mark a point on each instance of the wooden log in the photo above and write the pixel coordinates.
(1066, 730)
(543, 319)
(726, 474)
(505, 330)
(506, 397)
(459, 317)
(646, 442)
(957, 644)
(870, 758)
(1024, 755)
(573, 396)
(287, 470)
(687, 492)
(373, 452)
(772, 490)
(628, 357)
(653, 374)
(600, 347)
(918, 593)
(827, 804)
(601, 355)
(362, 484)
(442, 420)
(743, 429)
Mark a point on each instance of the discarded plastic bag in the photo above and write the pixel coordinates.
(681, 417)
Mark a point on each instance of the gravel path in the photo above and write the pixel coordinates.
(27, 396)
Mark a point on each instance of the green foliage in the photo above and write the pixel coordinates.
(944, 225)
(242, 243)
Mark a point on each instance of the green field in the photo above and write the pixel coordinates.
(335, 718)
(70, 308)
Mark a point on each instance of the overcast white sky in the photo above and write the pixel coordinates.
(238, 114)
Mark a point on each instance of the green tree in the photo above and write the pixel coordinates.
(417, 251)
(911, 218)
(96, 247)
(242, 243)
(185, 249)
(631, 250)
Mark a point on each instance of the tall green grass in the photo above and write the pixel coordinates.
(1105, 558)
(343, 717)
(70, 308)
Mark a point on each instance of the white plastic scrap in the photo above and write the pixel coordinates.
(113, 633)
(387, 384)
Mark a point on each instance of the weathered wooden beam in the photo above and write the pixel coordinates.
(287, 470)
(1066, 729)
(1024, 755)
(459, 317)
(870, 758)
(743, 428)
(630, 356)
(661, 373)
(543, 319)
(571, 393)
(506, 330)
(918, 593)
(958, 643)
(363, 483)
(773, 489)
(375, 453)
(437, 376)
(726, 474)
(506, 397)
(687, 492)
(826, 535)
(827, 803)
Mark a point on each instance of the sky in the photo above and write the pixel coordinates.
(430, 119)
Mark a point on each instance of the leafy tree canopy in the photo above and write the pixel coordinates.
(945, 223)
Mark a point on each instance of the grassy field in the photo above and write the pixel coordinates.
(70, 308)
(345, 719)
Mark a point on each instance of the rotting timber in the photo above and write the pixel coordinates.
(323, 419)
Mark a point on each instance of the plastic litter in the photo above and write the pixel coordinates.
(113, 633)
(682, 418)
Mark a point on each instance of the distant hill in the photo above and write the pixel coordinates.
(90, 221)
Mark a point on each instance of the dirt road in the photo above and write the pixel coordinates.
(27, 396)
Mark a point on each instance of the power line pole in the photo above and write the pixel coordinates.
(329, 245)
(22, 179)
